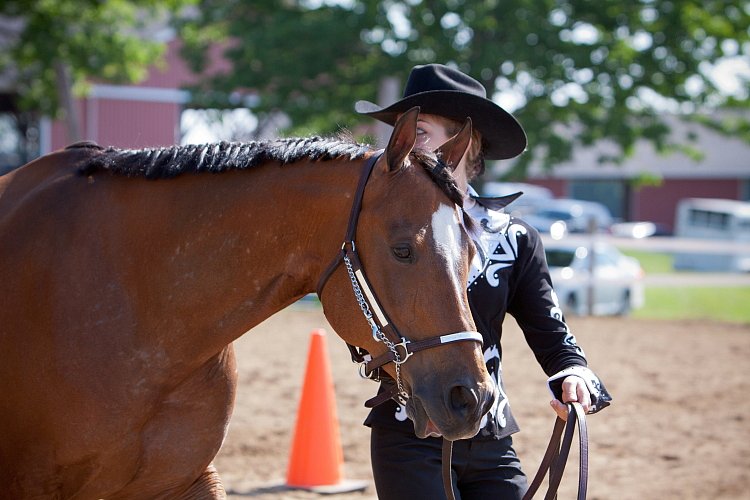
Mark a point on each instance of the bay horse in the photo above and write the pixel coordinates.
(126, 275)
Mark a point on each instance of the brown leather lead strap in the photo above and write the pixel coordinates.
(550, 456)
(583, 441)
(553, 461)
(575, 416)
(447, 479)
(557, 454)
(558, 465)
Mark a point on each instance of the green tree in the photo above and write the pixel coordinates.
(580, 70)
(54, 47)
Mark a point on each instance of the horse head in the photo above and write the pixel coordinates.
(415, 252)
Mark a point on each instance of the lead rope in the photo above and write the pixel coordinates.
(447, 474)
(557, 455)
(554, 458)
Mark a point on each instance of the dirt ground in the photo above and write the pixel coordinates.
(679, 427)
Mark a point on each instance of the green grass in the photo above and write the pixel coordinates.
(652, 262)
(715, 303)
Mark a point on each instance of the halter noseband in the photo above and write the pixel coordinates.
(399, 348)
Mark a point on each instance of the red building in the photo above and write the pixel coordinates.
(130, 116)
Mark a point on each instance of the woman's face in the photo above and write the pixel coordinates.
(431, 134)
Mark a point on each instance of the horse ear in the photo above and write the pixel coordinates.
(455, 148)
(402, 139)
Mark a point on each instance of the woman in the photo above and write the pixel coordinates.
(510, 277)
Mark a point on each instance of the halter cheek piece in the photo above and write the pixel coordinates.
(399, 349)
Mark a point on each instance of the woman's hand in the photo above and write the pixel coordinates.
(573, 389)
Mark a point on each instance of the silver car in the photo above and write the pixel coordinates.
(576, 214)
(617, 282)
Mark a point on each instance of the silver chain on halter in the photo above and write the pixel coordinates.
(377, 333)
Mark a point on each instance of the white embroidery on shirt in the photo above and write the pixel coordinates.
(501, 399)
(504, 254)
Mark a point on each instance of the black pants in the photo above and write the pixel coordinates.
(406, 467)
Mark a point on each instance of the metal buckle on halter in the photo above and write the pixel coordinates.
(373, 375)
(362, 368)
(407, 353)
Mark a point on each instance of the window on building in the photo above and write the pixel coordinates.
(612, 193)
(745, 189)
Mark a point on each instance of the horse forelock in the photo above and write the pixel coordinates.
(441, 175)
(168, 162)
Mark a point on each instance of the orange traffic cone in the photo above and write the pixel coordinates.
(316, 459)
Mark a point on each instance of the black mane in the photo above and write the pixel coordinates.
(168, 162)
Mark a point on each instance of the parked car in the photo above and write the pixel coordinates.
(576, 214)
(556, 228)
(639, 229)
(617, 283)
(722, 221)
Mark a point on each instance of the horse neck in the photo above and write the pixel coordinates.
(255, 241)
(305, 213)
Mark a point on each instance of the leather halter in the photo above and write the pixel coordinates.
(399, 349)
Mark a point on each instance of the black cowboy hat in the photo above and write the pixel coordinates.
(444, 91)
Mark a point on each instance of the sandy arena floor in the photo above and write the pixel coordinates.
(679, 427)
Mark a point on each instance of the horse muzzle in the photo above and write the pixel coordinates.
(454, 411)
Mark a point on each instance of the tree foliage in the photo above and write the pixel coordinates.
(90, 39)
(578, 70)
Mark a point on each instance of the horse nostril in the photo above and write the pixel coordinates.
(463, 399)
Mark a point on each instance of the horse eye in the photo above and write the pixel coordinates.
(402, 253)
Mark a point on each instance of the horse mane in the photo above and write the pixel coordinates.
(171, 161)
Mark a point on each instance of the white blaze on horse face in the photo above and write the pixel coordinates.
(446, 231)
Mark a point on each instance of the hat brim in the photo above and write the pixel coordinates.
(502, 135)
